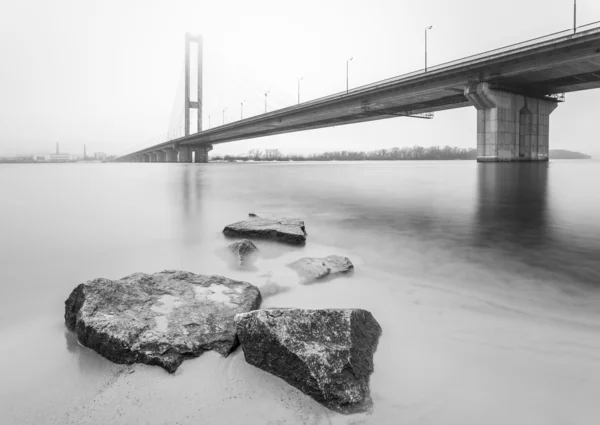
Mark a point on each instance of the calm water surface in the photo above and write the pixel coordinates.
(484, 277)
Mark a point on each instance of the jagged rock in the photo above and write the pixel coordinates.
(159, 319)
(243, 250)
(327, 354)
(311, 269)
(290, 230)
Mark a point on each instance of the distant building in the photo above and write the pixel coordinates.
(100, 156)
(54, 157)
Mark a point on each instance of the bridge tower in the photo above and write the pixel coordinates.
(189, 39)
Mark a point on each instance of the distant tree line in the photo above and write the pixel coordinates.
(565, 154)
(392, 154)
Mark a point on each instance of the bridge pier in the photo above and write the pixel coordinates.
(202, 153)
(145, 157)
(170, 155)
(510, 127)
(161, 156)
(185, 154)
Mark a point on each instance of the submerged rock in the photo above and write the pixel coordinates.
(327, 354)
(290, 230)
(243, 250)
(311, 269)
(159, 319)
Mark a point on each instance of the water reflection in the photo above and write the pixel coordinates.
(512, 210)
(191, 192)
(188, 190)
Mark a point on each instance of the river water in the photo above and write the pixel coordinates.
(484, 277)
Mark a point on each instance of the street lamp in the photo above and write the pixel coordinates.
(348, 61)
(268, 91)
(242, 109)
(224, 109)
(428, 28)
(209, 120)
(574, 16)
(299, 79)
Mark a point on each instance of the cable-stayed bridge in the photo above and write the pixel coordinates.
(514, 89)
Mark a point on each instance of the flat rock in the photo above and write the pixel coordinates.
(290, 230)
(327, 354)
(312, 269)
(243, 250)
(159, 319)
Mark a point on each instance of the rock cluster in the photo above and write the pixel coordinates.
(159, 319)
(165, 318)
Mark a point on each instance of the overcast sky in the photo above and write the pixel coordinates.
(106, 73)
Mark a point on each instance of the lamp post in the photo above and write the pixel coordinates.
(574, 16)
(242, 109)
(224, 109)
(209, 120)
(347, 62)
(268, 91)
(299, 79)
(428, 28)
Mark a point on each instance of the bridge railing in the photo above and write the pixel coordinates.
(581, 30)
(587, 28)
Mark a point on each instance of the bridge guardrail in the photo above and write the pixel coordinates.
(483, 55)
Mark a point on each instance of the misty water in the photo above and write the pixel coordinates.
(484, 277)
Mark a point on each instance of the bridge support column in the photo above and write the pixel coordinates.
(145, 157)
(202, 153)
(510, 127)
(160, 156)
(171, 155)
(185, 154)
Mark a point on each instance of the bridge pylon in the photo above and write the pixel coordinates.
(189, 104)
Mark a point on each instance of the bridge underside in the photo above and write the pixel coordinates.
(512, 92)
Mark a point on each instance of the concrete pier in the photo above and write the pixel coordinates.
(510, 127)
(202, 153)
(185, 154)
(170, 154)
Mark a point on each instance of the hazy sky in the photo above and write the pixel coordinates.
(106, 73)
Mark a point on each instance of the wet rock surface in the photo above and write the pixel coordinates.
(327, 354)
(289, 230)
(243, 250)
(312, 269)
(159, 319)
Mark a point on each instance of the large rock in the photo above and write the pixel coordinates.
(290, 230)
(159, 319)
(312, 269)
(327, 354)
(243, 250)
